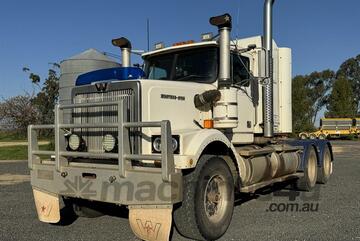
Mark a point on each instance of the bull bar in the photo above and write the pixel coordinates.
(166, 157)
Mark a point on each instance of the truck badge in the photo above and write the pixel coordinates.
(172, 97)
(101, 86)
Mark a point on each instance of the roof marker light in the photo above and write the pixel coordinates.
(206, 36)
(160, 45)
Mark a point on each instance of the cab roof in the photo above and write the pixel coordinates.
(174, 48)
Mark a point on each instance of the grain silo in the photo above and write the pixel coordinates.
(71, 68)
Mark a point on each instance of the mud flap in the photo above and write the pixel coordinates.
(47, 206)
(151, 224)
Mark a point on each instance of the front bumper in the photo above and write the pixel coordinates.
(139, 187)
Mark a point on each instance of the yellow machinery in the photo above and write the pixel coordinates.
(334, 127)
(356, 126)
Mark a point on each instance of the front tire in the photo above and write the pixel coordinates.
(208, 200)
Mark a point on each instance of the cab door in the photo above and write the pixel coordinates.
(240, 75)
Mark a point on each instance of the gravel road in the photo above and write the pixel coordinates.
(334, 213)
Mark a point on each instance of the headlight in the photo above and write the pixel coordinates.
(156, 144)
(109, 142)
(74, 142)
(175, 144)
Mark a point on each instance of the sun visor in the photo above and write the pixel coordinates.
(122, 73)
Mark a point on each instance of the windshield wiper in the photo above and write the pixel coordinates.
(192, 76)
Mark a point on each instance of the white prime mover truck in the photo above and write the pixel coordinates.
(175, 140)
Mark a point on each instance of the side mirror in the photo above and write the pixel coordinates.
(251, 47)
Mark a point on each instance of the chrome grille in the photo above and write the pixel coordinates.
(104, 114)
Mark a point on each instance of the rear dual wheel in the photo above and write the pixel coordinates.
(308, 181)
(325, 169)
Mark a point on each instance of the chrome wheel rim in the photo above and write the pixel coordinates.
(312, 168)
(214, 198)
(327, 164)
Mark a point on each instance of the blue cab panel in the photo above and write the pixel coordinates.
(120, 73)
(319, 145)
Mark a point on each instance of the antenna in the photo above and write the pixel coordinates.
(237, 21)
(148, 33)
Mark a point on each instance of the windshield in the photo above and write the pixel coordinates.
(198, 65)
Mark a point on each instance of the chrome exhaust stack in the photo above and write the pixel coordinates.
(125, 45)
(224, 25)
(225, 112)
(268, 105)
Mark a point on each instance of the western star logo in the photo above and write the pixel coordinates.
(149, 229)
(101, 86)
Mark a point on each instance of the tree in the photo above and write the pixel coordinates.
(20, 112)
(350, 70)
(342, 102)
(301, 109)
(318, 85)
(310, 95)
(46, 99)
(48, 95)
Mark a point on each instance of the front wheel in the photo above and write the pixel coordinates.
(208, 200)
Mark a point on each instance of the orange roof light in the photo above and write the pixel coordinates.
(208, 124)
(183, 43)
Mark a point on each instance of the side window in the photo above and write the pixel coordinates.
(240, 66)
(157, 73)
(160, 68)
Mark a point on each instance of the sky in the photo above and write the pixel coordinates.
(321, 33)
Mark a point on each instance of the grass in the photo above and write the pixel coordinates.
(8, 136)
(17, 152)
(14, 136)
